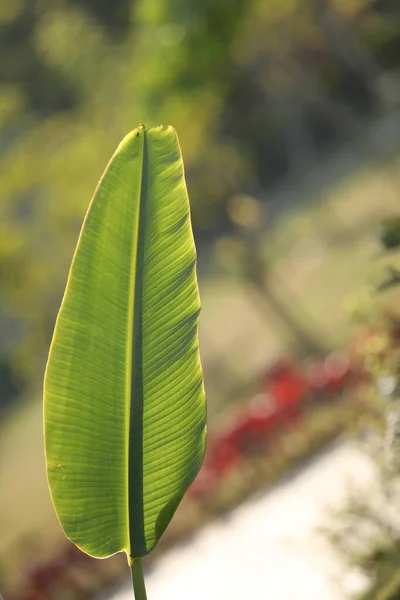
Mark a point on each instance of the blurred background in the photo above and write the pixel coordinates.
(288, 114)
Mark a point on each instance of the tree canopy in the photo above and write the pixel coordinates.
(256, 91)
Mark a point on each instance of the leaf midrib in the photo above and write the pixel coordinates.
(134, 384)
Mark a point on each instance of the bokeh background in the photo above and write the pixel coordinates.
(288, 114)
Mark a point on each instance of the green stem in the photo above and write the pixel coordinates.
(139, 588)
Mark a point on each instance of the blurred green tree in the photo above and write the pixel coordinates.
(257, 93)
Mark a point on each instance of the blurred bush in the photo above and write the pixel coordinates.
(257, 92)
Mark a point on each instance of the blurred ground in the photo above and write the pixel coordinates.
(270, 546)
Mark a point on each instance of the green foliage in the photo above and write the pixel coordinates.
(387, 576)
(392, 590)
(390, 233)
(228, 75)
(124, 398)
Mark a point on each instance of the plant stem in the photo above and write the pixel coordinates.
(139, 589)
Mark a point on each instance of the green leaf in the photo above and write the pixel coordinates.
(124, 404)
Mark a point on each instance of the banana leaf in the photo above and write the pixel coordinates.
(124, 403)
